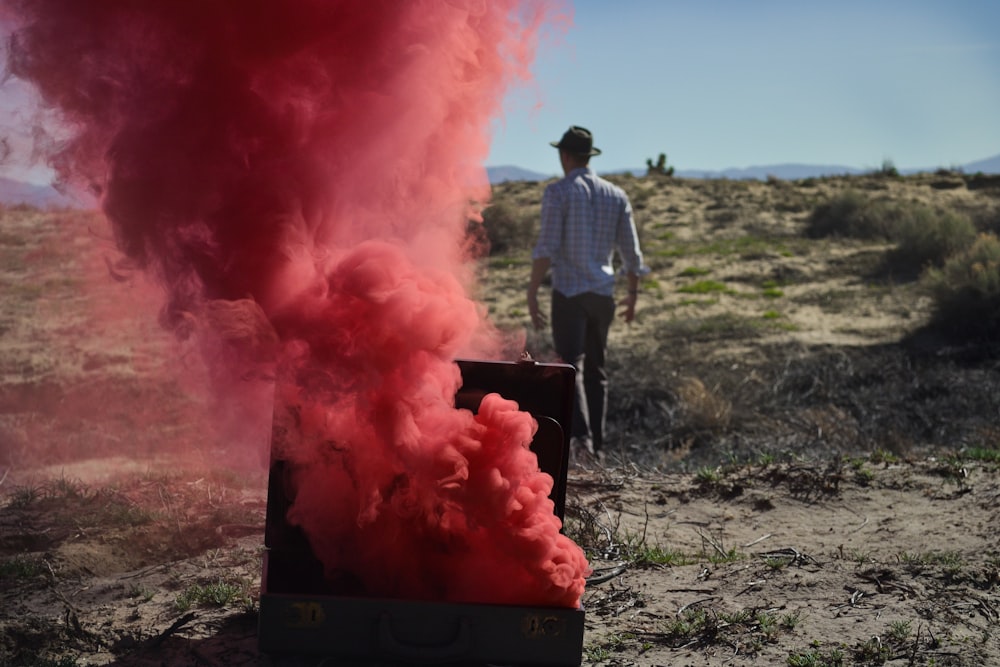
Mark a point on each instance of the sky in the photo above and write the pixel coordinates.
(719, 84)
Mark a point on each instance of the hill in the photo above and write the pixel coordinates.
(788, 172)
(988, 166)
(505, 173)
(13, 192)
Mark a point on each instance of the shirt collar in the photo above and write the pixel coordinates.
(579, 171)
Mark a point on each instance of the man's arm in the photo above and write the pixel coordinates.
(539, 267)
(549, 237)
(631, 297)
(628, 247)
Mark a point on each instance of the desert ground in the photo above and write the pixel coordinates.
(800, 469)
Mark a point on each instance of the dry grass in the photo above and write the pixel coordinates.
(802, 470)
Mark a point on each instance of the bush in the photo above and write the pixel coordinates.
(966, 290)
(926, 238)
(988, 221)
(888, 169)
(852, 215)
(508, 230)
(922, 235)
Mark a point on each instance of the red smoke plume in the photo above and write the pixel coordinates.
(297, 175)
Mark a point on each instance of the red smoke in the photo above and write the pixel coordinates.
(297, 176)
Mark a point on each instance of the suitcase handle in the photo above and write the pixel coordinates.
(459, 646)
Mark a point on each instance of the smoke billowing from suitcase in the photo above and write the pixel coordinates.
(297, 175)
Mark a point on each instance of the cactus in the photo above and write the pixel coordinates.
(660, 167)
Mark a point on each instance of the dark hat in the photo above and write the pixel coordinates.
(578, 141)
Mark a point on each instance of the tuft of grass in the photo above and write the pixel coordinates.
(884, 456)
(119, 513)
(950, 562)
(728, 556)
(899, 631)
(20, 568)
(67, 489)
(872, 652)
(694, 272)
(596, 653)
(790, 621)
(142, 593)
(217, 594)
(707, 475)
(656, 555)
(817, 658)
(707, 627)
(778, 562)
(691, 623)
(981, 454)
(25, 496)
(705, 287)
(698, 302)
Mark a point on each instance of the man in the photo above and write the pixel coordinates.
(585, 219)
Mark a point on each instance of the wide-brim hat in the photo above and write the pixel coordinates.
(578, 141)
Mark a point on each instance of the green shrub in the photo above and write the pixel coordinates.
(888, 169)
(925, 237)
(507, 229)
(922, 235)
(852, 215)
(988, 221)
(966, 290)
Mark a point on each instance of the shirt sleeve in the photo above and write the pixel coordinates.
(551, 231)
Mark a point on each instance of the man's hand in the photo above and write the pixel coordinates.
(539, 267)
(538, 319)
(628, 312)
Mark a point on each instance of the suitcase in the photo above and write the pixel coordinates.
(301, 615)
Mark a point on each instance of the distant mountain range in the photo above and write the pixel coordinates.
(783, 171)
(14, 192)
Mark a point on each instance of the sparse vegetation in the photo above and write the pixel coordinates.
(817, 658)
(704, 287)
(19, 568)
(852, 215)
(966, 290)
(508, 229)
(780, 485)
(925, 238)
(215, 594)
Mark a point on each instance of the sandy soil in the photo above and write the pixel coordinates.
(768, 499)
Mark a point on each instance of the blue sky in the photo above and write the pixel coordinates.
(738, 83)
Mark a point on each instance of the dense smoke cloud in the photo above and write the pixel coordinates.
(297, 176)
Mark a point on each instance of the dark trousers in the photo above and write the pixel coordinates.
(580, 334)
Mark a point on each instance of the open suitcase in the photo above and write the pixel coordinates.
(301, 616)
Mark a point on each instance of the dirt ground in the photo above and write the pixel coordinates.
(798, 474)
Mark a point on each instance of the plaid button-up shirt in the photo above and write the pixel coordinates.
(585, 219)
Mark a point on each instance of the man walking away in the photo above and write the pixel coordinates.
(585, 220)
